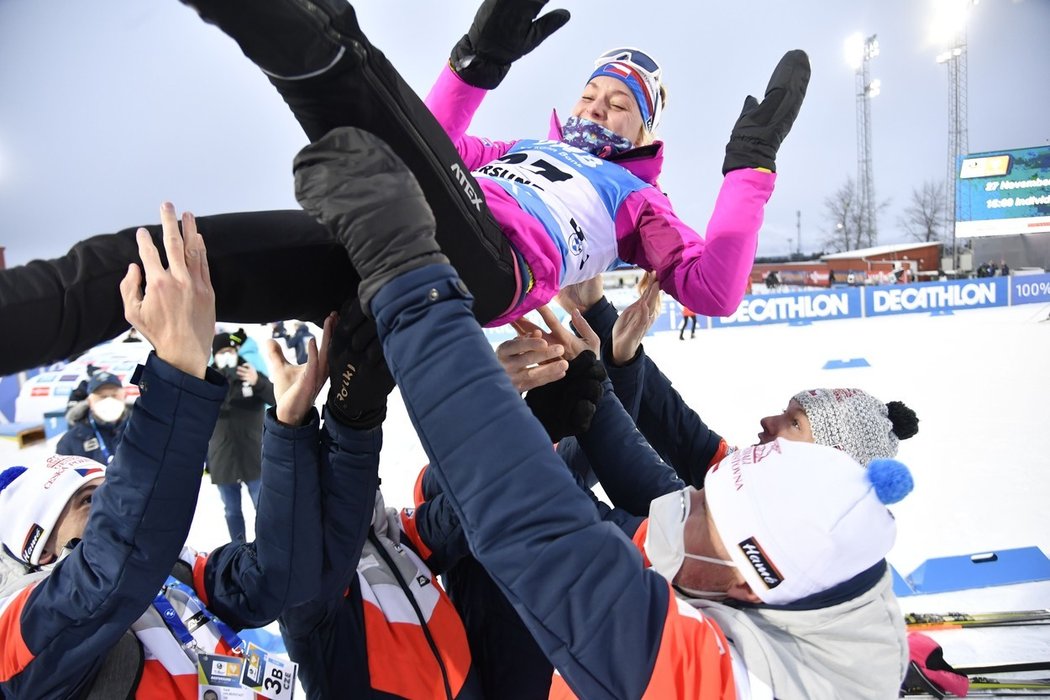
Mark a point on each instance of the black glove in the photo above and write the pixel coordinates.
(360, 379)
(762, 126)
(566, 407)
(502, 32)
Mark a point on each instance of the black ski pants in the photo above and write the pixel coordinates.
(274, 265)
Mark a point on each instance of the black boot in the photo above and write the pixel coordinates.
(352, 182)
(287, 39)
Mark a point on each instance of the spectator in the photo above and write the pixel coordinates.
(97, 423)
(296, 341)
(687, 316)
(80, 391)
(235, 449)
(1004, 269)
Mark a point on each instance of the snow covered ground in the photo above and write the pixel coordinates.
(979, 381)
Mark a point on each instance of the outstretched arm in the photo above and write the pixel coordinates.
(249, 585)
(677, 433)
(55, 632)
(571, 577)
(502, 32)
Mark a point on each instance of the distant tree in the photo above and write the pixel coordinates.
(923, 218)
(849, 230)
(843, 210)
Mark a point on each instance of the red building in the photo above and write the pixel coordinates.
(877, 265)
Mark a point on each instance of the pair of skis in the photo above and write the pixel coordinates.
(917, 685)
(919, 622)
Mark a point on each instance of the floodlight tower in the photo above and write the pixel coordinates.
(859, 51)
(950, 29)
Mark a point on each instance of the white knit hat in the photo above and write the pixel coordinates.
(798, 518)
(32, 498)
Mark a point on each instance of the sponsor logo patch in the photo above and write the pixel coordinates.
(761, 563)
(32, 540)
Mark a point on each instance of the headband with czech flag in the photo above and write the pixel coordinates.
(639, 72)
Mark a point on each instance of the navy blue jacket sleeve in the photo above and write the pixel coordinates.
(629, 470)
(138, 524)
(249, 585)
(674, 430)
(349, 479)
(576, 582)
(437, 536)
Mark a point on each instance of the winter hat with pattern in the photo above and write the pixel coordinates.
(32, 499)
(856, 422)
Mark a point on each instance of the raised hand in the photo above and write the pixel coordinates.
(361, 380)
(560, 335)
(566, 407)
(296, 386)
(530, 361)
(582, 295)
(634, 322)
(176, 310)
(762, 126)
(247, 373)
(502, 32)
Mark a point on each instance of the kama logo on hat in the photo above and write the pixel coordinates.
(32, 540)
(761, 563)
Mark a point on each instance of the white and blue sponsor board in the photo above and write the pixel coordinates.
(787, 307)
(1030, 289)
(936, 296)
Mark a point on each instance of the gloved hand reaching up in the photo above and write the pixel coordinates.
(360, 378)
(565, 407)
(762, 126)
(502, 32)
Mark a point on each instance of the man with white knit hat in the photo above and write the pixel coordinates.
(41, 505)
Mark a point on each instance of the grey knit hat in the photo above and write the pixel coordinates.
(856, 422)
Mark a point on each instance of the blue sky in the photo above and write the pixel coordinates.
(110, 107)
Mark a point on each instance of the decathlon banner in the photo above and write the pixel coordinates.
(1003, 193)
(932, 296)
(794, 306)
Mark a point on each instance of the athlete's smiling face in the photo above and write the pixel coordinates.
(609, 102)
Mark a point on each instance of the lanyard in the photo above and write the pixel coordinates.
(179, 629)
(106, 457)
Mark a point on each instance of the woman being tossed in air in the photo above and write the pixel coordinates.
(586, 198)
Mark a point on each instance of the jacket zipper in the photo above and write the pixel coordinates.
(415, 606)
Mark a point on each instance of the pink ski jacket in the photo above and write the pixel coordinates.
(572, 215)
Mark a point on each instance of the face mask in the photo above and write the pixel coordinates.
(594, 138)
(665, 539)
(108, 410)
(226, 360)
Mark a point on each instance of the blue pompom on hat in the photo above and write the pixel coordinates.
(891, 479)
(9, 475)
